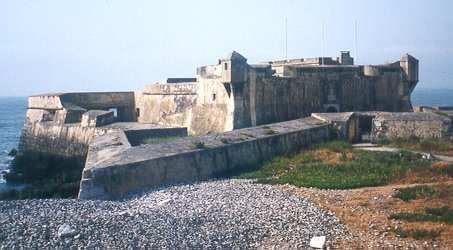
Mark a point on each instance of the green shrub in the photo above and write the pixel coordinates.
(418, 233)
(199, 145)
(440, 214)
(225, 140)
(416, 192)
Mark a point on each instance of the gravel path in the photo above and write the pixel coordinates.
(216, 214)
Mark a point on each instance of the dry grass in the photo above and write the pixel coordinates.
(366, 213)
(331, 157)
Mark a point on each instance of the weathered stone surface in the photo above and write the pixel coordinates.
(233, 94)
(97, 118)
(113, 167)
(406, 125)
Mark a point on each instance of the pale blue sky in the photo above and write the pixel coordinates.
(90, 45)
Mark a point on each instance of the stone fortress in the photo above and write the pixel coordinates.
(231, 115)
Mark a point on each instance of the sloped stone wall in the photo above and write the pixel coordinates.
(113, 168)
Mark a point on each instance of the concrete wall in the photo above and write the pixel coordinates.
(113, 169)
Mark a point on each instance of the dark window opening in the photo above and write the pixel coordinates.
(226, 66)
(331, 110)
(137, 112)
(365, 127)
(228, 88)
(213, 97)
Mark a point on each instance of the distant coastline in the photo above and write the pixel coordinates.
(432, 97)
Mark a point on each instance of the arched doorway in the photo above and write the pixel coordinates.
(331, 109)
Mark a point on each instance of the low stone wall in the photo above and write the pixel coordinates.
(113, 167)
(406, 125)
(137, 137)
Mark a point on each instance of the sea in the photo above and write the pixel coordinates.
(12, 114)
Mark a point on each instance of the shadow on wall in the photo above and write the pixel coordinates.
(45, 176)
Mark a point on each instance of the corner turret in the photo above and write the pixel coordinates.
(234, 68)
(409, 64)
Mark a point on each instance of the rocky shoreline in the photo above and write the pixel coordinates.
(215, 214)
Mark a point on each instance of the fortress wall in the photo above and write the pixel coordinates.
(115, 169)
(392, 93)
(167, 104)
(280, 99)
(61, 140)
(357, 94)
(214, 110)
(169, 109)
(50, 101)
(99, 100)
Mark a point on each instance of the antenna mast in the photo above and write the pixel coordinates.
(356, 41)
(286, 38)
(323, 43)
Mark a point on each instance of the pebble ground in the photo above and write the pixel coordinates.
(215, 214)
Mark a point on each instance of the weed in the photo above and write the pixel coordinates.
(225, 140)
(417, 233)
(199, 145)
(158, 140)
(429, 144)
(416, 192)
(440, 214)
(269, 131)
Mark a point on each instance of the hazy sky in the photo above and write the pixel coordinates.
(90, 45)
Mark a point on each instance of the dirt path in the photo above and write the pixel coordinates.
(377, 148)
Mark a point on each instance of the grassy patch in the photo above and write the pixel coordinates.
(416, 192)
(335, 165)
(158, 140)
(435, 145)
(417, 233)
(269, 131)
(199, 145)
(424, 191)
(225, 140)
(439, 214)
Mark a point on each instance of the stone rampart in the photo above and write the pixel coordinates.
(63, 140)
(114, 167)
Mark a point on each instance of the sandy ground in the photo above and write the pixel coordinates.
(365, 212)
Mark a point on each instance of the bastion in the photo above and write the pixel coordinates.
(230, 116)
